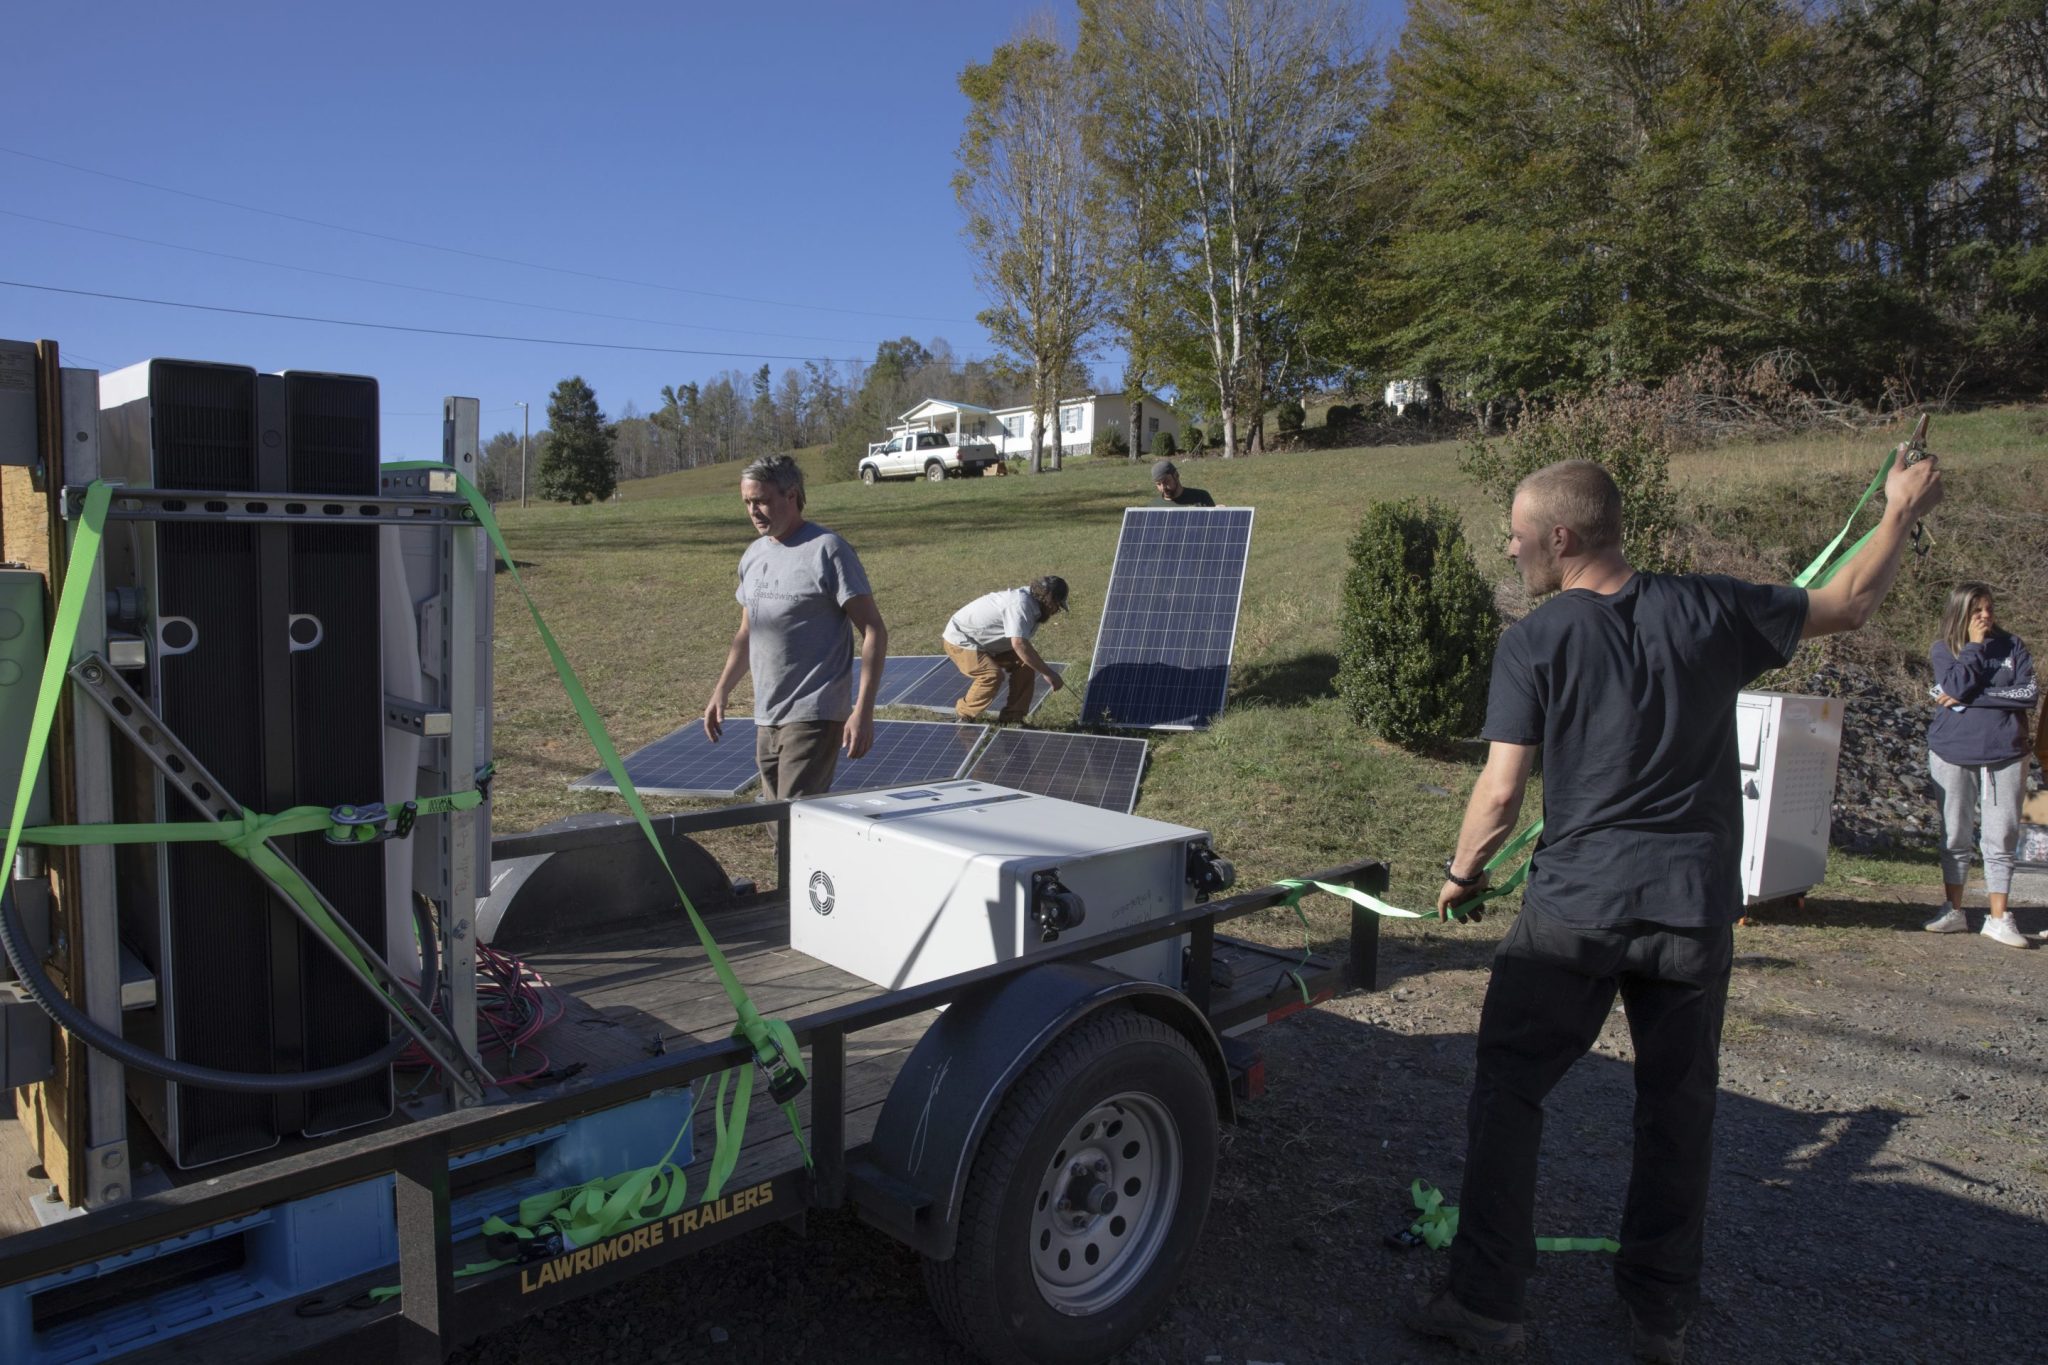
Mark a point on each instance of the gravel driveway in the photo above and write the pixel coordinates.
(1880, 1189)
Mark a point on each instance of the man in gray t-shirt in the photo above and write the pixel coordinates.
(800, 586)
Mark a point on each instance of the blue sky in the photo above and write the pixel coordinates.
(791, 157)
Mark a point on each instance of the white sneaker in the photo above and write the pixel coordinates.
(1949, 921)
(1999, 927)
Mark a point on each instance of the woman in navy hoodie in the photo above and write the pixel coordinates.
(1977, 751)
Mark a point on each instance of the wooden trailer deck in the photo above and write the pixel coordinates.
(647, 989)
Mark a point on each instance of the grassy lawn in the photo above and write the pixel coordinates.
(640, 593)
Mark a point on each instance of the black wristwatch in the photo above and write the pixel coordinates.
(1455, 880)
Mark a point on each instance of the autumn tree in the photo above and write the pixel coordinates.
(1023, 183)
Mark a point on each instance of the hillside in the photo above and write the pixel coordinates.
(641, 595)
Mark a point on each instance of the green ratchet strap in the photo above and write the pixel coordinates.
(1817, 574)
(247, 838)
(1437, 1225)
(579, 1216)
(773, 1043)
(1509, 851)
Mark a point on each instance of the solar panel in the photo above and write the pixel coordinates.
(1169, 620)
(1096, 770)
(900, 674)
(910, 751)
(687, 764)
(940, 689)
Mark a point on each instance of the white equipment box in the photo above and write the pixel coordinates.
(1788, 747)
(910, 884)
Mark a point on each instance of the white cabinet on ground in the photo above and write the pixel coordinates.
(1788, 747)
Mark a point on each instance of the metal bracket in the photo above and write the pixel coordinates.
(184, 773)
(107, 1175)
(176, 504)
(413, 717)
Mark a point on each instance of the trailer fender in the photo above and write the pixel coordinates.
(909, 1180)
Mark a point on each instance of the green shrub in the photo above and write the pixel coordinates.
(1165, 448)
(1622, 429)
(1114, 444)
(1291, 416)
(1193, 436)
(1419, 627)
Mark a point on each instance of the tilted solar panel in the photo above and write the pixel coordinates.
(1169, 619)
(901, 673)
(910, 751)
(687, 764)
(944, 686)
(1096, 770)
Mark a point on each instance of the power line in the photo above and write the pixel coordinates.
(475, 255)
(441, 331)
(418, 288)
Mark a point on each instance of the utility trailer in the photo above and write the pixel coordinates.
(1041, 1127)
(930, 1109)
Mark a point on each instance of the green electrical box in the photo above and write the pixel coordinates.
(25, 1041)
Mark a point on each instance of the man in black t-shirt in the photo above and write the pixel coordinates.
(1627, 681)
(1166, 478)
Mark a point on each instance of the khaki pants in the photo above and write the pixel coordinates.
(985, 672)
(798, 758)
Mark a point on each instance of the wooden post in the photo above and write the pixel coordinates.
(56, 1113)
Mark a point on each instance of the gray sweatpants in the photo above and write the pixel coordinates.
(1979, 796)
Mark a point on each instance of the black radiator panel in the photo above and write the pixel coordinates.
(242, 985)
(220, 920)
(337, 724)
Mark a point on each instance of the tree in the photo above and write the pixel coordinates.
(1588, 191)
(1418, 627)
(576, 463)
(676, 420)
(1023, 184)
(1132, 208)
(1250, 108)
(498, 478)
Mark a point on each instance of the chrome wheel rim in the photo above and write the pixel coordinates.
(1106, 1203)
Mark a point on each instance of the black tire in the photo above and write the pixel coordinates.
(935, 471)
(1005, 1294)
(868, 475)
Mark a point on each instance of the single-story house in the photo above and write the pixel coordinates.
(1083, 420)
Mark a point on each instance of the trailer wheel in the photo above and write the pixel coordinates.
(1086, 1197)
(935, 471)
(868, 475)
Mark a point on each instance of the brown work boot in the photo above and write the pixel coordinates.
(1442, 1316)
(1657, 1345)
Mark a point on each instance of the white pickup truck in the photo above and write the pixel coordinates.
(926, 454)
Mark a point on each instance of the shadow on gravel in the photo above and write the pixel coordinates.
(1843, 1224)
(1830, 912)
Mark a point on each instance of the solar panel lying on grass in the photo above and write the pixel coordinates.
(901, 673)
(1169, 620)
(910, 751)
(1096, 770)
(944, 686)
(687, 764)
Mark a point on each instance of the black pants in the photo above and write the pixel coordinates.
(1552, 988)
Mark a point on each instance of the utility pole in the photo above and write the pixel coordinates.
(525, 429)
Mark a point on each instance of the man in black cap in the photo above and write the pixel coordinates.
(1166, 478)
(989, 639)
